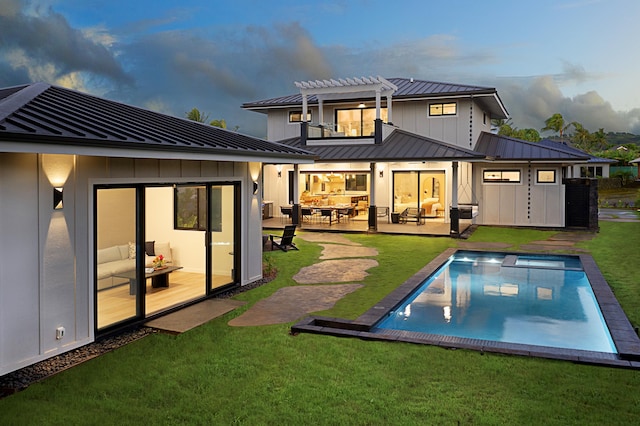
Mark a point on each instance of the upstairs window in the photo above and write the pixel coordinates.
(436, 110)
(357, 121)
(296, 116)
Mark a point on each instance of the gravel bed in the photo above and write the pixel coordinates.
(20, 379)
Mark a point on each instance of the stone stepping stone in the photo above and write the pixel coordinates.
(335, 271)
(290, 303)
(339, 251)
(326, 237)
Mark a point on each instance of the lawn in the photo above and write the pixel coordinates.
(217, 374)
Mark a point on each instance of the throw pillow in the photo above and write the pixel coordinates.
(149, 248)
(132, 250)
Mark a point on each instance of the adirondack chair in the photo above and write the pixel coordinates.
(286, 240)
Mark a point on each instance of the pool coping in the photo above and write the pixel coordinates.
(624, 336)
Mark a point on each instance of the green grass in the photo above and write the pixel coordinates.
(217, 374)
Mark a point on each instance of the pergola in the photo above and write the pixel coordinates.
(364, 87)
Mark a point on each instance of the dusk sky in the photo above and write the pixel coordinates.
(576, 57)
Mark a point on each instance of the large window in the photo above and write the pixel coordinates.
(546, 176)
(450, 108)
(357, 121)
(501, 176)
(591, 171)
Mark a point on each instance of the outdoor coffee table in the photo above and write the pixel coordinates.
(159, 277)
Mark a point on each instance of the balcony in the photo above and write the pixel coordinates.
(323, 134)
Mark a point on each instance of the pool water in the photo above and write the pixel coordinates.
(543, 300)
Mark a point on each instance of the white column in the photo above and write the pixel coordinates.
(389, 114)
(320, 112)
(378, 104)
(304, 107)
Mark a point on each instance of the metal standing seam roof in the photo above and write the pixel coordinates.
(407, 88)
(400, 145)
(42, 113)
(573, 150)
(502, 148)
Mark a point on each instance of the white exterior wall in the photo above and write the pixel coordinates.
(412, 116)
(46, 265)
(520, 204)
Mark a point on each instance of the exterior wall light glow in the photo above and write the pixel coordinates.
(57, 198)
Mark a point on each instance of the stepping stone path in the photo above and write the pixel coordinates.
(290, 303)
(343, 262)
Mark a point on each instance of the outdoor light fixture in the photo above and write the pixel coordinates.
(362, 105)
(279, 173)
(279, 169)
(381, 173)
(57, 198)
(255, 187)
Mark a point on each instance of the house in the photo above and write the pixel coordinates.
(92, 192)
(594, 167)
(637, 163)
(403, 143)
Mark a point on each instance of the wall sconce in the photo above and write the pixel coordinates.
(279, 169)
(362, 105)
(381, 173)
(255, 188)
(57, 198)
(279, 173)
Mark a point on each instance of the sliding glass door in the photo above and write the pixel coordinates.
(162, 246)
(222, 235)
(116, 241)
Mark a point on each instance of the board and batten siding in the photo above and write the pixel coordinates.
(520, 204)
(46, 255)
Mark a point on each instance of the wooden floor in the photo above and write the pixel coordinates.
(116, 304)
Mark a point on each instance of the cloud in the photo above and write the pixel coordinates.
(218, 69)
(531, 102)
(45, 47)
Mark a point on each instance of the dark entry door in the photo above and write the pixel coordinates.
(577, 203)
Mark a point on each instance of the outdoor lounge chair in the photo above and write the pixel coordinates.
(286, 240)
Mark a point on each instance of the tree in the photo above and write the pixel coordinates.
(581, 138)
(506, 129)
(196, 115)
(219, 123)
(556, 123)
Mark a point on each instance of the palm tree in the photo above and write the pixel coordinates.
(556, 123)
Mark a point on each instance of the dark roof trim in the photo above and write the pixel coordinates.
(400, 145)
(45, 114)
(502, 148)
(566, 147)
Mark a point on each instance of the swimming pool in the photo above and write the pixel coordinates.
(543, 300)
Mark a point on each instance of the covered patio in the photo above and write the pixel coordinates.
(435, 227)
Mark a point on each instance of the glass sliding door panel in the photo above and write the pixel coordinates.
(181, 245)
(405, 190)
(222, 226)
(115, 256)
